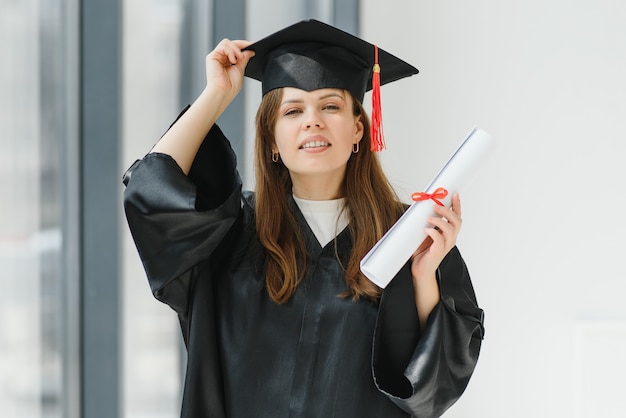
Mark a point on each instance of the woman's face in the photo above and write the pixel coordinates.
(316, 131)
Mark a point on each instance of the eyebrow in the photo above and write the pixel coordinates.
(324, 97)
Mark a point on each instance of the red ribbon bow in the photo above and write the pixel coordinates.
(440, 193)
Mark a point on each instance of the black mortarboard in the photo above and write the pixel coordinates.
(311, 55)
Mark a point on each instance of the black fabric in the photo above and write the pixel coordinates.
(441, 361)
(318, 355)
(311, 55)
(311, 66)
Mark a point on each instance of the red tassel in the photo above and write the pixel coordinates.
(378, 141)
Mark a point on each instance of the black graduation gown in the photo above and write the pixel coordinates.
(318, 355)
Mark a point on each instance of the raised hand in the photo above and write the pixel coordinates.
(225, 67)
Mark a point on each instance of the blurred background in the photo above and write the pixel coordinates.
(87, 87)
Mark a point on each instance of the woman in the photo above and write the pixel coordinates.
(277, 318)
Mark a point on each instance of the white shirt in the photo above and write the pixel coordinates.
(326, 218)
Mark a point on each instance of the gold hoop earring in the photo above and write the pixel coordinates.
(275, 156)
(355, 148)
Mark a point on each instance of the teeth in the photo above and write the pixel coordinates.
(315, 144)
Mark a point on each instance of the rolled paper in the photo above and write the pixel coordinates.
(395, 248)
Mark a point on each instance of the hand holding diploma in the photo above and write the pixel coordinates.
(441, 237)
(398, 245)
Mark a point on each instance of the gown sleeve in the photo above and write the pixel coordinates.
(176, 220)
(425, 373)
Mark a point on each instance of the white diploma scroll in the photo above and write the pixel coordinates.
(394, 249)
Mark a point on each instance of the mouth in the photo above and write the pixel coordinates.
(314, 144)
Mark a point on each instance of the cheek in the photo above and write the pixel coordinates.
(281, 135)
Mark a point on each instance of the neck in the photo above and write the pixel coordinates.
(317, 187)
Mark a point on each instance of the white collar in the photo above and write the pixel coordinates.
(326, 218)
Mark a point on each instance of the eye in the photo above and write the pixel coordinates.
(331, 106)
(292, 112)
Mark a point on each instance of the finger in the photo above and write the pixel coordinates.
(245, 58)
(446, 215)
(241, 43)
(447, 230)
(221, 53)
(456, 204)
(241, 56)
(231, 50)
(449, 214)
(234, 54)
(442, 226)
(437, 238)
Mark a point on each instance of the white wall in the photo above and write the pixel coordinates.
(544, 217)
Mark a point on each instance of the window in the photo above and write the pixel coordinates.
(37, 340)
(152, 339)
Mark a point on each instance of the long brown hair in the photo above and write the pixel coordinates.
(372, 206)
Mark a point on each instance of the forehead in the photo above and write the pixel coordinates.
(293, 93)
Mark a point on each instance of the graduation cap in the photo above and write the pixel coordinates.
(312, 55)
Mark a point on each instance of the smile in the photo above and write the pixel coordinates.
(315, 144)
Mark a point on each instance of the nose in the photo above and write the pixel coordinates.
(313, 119)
